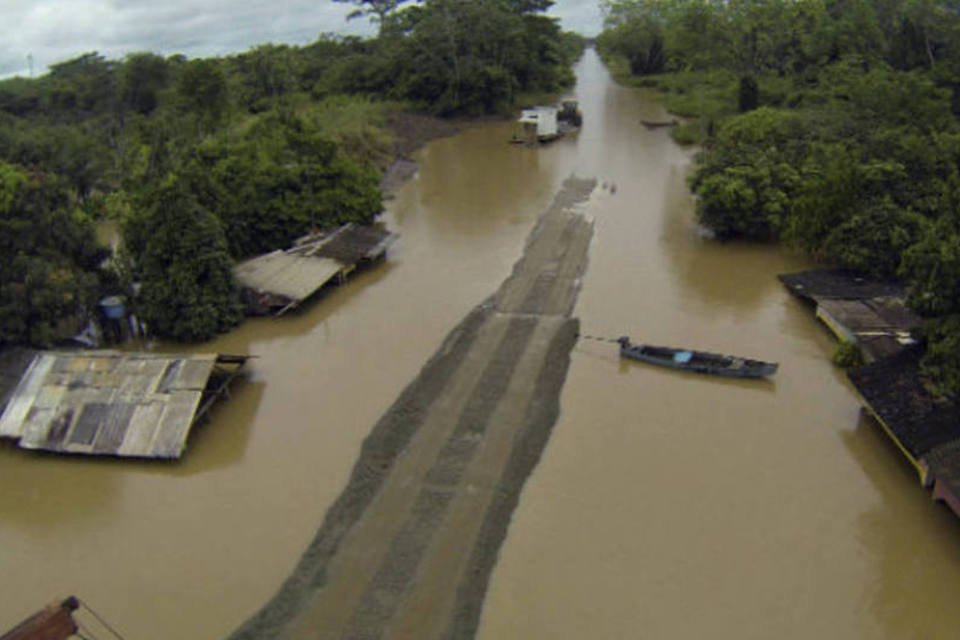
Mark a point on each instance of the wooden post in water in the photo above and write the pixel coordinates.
(55, 622)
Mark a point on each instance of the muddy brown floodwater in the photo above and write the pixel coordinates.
(664, 506)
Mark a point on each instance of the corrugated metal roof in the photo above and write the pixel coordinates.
(877, 314)
(348, 244)
(109, 403)
(292, 276)
(894, 390)
(283, 279)
(838, 283)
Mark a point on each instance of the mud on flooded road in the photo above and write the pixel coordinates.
(407, 549)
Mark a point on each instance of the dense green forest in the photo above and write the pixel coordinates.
(828, 124)
(203, 162)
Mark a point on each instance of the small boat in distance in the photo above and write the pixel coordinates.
(547, 123)
(650, 124)
(697, 361)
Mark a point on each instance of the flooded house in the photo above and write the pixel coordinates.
(925, 427)
(279, 281)
(538, 124)
(865, 312)
(105, 403)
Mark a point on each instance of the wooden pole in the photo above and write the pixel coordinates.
(55, 622)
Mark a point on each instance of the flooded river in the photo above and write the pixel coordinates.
(665, 505)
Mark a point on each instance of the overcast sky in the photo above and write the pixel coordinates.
(50, 31)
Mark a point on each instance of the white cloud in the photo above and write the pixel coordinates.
(582, 16)
(56, 30)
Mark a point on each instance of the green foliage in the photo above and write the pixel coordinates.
(181, 259)
(932, 269)
(871, 240)
(707, 96)
(477, 56)
(853, 151)
(687, 133)
(202, 93)
(745, 184)
(785, 36)
(267, 73)
(847, 355)
(356, 123)
(640, 40)
(48, 260)
(749, 94)
(257, 148)
(80, 87)
(378, 10)
(279, 181)
(142, 78)
(941, 362)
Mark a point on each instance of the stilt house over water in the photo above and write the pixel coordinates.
(868, 313)
(873, 315)
(277, 282)
(924, 427)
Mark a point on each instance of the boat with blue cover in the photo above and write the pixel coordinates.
(696, 361)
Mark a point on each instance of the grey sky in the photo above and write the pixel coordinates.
(55, 30)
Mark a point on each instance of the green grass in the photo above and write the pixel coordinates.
(847, 355)
(688, 133)
(356, 123)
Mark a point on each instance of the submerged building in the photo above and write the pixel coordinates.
(868, 313)
(106, 403)
(277, 282)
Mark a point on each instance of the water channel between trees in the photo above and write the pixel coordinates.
(665, 505)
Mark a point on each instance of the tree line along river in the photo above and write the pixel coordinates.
(665, 505)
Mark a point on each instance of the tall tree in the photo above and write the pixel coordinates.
(142, 78)
(181, 258)
(279, 181)
(378, 10)
(49, 259)
(202, 92)
(82, 86)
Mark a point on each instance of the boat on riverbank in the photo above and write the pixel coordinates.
(696, 361)
(662, 124)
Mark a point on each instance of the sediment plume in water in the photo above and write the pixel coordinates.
(408, 547)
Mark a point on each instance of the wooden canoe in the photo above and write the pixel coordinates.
(697, 361)
(650, 124)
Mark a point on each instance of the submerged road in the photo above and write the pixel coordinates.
(407, 549)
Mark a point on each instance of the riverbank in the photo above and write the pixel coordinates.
(656, 489)
(408, 546)
(410, 131)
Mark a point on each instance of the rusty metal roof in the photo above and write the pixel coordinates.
(110, 403)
